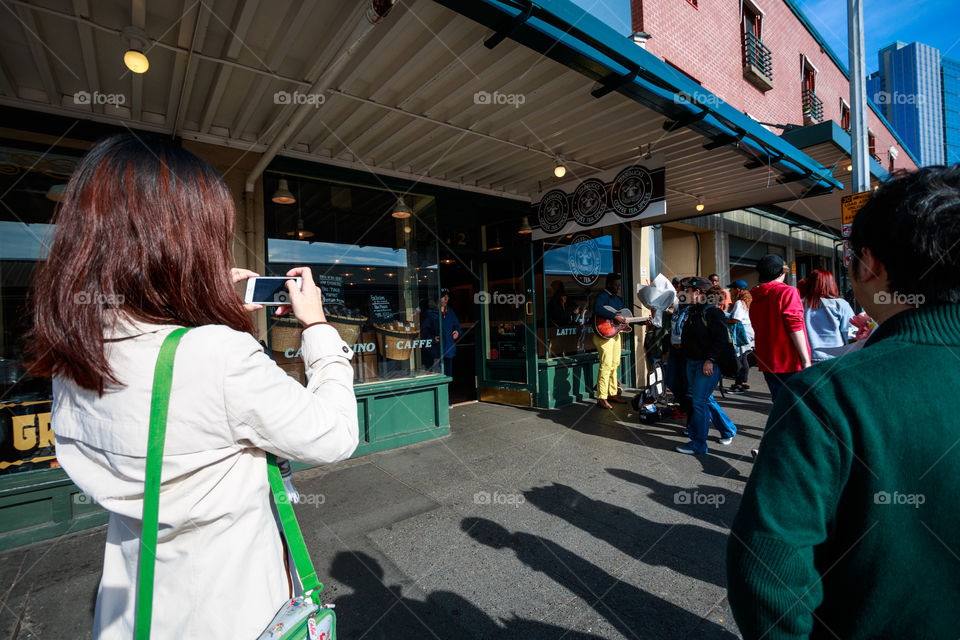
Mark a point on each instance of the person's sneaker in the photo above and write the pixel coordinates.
(726, 441)
(737, 389)
(685, 448)
(754, 453)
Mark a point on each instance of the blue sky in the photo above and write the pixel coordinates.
(932, 22)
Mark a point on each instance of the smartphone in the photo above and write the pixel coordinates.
(269, 291)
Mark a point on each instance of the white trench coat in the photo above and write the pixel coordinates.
(220, 561)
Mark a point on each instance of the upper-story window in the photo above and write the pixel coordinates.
(872, 146)
(812, 105)
(844, 116)
(757, 61)
(752, 21)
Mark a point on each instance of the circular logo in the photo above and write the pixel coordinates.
(589, 202)
(584, 259)
(553, 211)
(631, 191)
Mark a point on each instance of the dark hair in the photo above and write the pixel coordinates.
(820, 284)
(714, 295)
(912, 225)
(613, 277)
(713, 275)
(144, 229)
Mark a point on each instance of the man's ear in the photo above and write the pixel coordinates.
(870, 268)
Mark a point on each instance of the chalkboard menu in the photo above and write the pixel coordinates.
(380, 309)
(331, 287)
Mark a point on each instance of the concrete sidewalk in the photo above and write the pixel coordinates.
(523, 523)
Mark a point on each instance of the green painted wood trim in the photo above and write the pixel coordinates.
(402, 384)
(23, 537)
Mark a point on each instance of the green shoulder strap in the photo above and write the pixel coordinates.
(162, 380)
(291, 531)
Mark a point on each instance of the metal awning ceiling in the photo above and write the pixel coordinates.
(829, 145)
(404, 104)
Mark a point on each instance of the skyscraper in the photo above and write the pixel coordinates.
(951, 109)
(907, 89)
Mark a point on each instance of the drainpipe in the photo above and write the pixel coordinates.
(376, 11)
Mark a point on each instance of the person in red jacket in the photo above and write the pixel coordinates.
(780, 334)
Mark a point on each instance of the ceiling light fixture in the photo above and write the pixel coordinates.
(400, 210)
(282, 195)
(525, 227)
(300, 233)
(700, 204)
(134, 57)
(560, 170)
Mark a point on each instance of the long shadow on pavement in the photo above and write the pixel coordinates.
(718, 510)
(632, 611)
(688, 549)
(376, 611)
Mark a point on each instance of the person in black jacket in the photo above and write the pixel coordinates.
(704, 335)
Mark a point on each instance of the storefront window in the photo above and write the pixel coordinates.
(574, 271)
(32, 180)
(376, 267)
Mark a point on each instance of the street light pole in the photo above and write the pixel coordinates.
(858, 97)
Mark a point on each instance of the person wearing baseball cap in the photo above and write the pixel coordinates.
(780, 334)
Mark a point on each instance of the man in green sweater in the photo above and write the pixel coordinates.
(849, 526)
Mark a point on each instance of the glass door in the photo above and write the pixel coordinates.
(507, 357)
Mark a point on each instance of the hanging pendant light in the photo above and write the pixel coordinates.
(282, 195)
(497, 245)
(400, 210)
(300, 233)
(525, 227)
(700, 205)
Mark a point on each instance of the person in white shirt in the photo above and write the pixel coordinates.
(740, 311)
(142, 246)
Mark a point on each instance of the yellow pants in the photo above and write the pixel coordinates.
(609, 350)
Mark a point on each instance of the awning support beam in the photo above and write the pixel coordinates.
(509, 27)
(613, 83)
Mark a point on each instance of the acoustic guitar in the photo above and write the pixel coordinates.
(608, 327)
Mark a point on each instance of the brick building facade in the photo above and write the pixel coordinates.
(705, 41)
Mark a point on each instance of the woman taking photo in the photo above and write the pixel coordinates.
(143, 246)
(826, 314)
(704, 336)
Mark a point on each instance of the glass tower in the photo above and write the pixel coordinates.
(907, 89)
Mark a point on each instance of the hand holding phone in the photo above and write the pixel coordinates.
(296, 291)
(306, 300)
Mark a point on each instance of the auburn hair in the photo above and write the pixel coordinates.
(820, 284)
(145, 230)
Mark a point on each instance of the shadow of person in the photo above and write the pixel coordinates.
(719, 511)
(379, 611)
(630, 610)
(688, 549)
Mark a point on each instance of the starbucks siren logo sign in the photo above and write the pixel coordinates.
(631, 191)
(584, 259)
(589, 202)
(553, 211)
